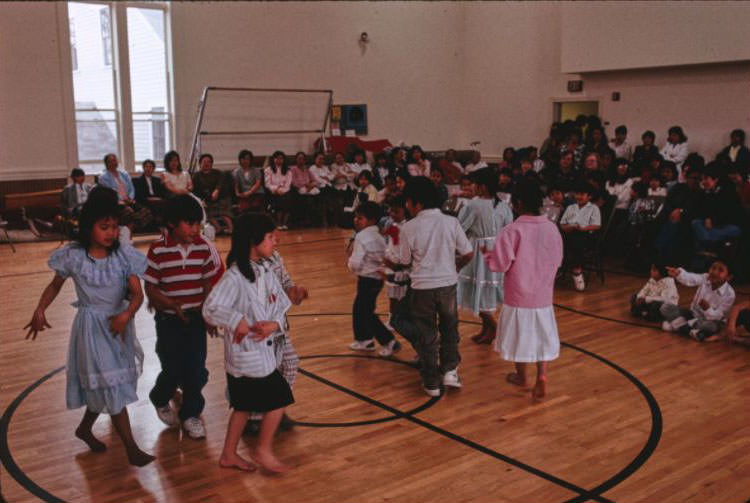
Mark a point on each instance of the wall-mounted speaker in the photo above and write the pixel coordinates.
(353, 117)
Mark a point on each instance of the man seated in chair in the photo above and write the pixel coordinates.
(149, 189)
(719, 212)
(74, 195)
(578, 223)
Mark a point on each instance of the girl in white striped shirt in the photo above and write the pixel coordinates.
(250, 305)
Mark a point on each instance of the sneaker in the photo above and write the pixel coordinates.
(697, 335)
(167, 415)
(392, 347)
(667, 326)
(451, 379)
(578, 282)
(194, 428)
(431, 391)
(678, 323)
(368, 345)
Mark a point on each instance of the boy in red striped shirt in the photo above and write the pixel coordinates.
(178, 279)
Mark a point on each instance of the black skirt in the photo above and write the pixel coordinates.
(259, 394)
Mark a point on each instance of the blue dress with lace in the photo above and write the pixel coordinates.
(102, 368)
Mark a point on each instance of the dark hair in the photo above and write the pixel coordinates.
(671, 166)
(397, 202)
(648, 134)
(659, 266)
(727, 263)
(621, 130)
(713, 170)
(486, 177)
(614, 176)
(148, 161)
(200, 159)
(553, 188)
(284, 167)
(640, 189)
(437, 169)
(380, 155)
(694, 161)
(244, 153)
(365, 173)
(506, 172)
(102, 203)
(106, 156)
(249, 230)
(370, 210)
(390, 176)
(77, 172)
(421, 190)
(584, 187)
(681, 138)
(182, 208)
(172, 154)
(300, 153)
(739, 133)
(528, 194)
(415, 148)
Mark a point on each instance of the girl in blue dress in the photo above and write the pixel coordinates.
(104, 355)
(482, 218)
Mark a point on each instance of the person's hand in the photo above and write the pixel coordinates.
(673, 271)
(263, 329)
(640, 301)
(242, 330)
(119, 322)
(177, 308)
(297, 294)
(215, 195)
(37, 324)
(708, 224)
(675, 216)
(211, 330)
(704, 304)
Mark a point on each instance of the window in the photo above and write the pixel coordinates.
(73, 52)
(104, 21)
(134, 130)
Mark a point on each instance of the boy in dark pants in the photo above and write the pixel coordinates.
(178, 279)
(366, 261)
(436, 247)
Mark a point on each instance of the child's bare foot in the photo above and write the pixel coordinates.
(540, 388)
(139, 458)
(88, 437)
(516, 378)
(236, 462)
(268, 462)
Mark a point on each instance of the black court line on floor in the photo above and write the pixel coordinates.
(583, 495)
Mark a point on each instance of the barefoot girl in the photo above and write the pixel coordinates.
(104, 356)
(528, 251)
(250, 304)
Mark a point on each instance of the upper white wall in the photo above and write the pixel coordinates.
(641, 34)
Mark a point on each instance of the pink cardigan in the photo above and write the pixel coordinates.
(529, 252)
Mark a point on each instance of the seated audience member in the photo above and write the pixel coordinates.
(343, 176)
(176, 180)
(476, 162)
(381, 170)
(459, 199)
(656, 187)
(660, 289)
(552, 206)
(564, 175)
(450, 158)
(358, 163)
(366, 191)
(509, 156)
(436, 175)
(719, 213)
(577, 223)
(208, 183)
(710, 306)
(635, 239)
(736, 152)
(505, 185)
(619, 184)
(596, 139)
(75, 194)
(248, 184)
(389, 191)
(303, 180)
(673, 239)
(739, 316)
(119, 181)
(329, 203)
(418, 165)
(149, 189)
(278, 181)
(741, 185)
(398, 160)
(452, 173)
(620, 144)
(675, 149)
(669, 175)
(644, 152)
(573, 144)
(533, 155)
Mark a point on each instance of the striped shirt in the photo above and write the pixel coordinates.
(180, 272)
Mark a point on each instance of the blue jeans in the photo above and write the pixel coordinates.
(703, 235)
(181, 348)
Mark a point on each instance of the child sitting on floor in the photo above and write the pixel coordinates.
(710, 307)
(658, 290)
(739, 316)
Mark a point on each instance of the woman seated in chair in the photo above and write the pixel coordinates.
(207, 185)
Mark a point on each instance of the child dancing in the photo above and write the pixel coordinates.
(104, 356)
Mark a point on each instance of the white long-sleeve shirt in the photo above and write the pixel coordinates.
(675, 152)
(720, 300)
(276, 180)
(663, 290)
(622, 192)
(368, 252)
(419, 170)
(323, 175)
(233, 298)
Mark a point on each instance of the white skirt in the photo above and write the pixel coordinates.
(527, 335)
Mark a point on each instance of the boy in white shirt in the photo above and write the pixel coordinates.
(366, 262)
(710, 307)
(620, 144)
(577, 223)
(660, 289)
(436, 247)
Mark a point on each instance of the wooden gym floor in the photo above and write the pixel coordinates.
(632, 414)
